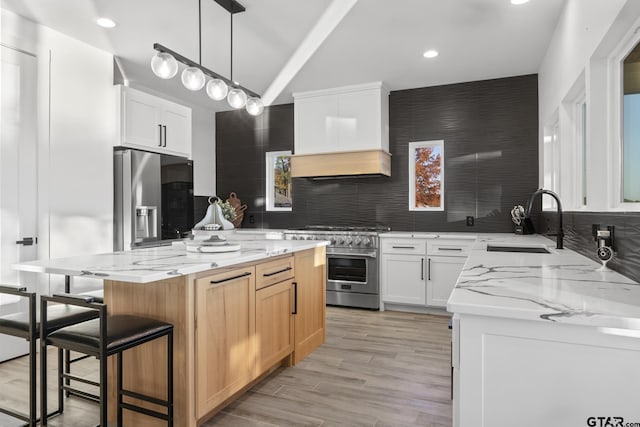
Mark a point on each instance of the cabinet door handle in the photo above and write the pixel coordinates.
(27, 241)
(403, 247)
(450, 249)
(159, 135)
(165, 135)
(276, 272)
(428, 268)
(295, 298)
(228, 279)
(421, 268)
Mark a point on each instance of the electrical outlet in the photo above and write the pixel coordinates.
(470, 221)
(252, 219)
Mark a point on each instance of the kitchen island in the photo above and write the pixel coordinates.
(543, 339)
(237, 315)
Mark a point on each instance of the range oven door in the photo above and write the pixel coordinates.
(350, 271)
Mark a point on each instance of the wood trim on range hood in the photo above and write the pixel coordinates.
(341, 164)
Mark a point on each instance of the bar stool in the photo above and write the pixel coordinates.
(25, 325)
(101, 338)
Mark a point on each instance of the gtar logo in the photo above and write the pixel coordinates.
(605, 422)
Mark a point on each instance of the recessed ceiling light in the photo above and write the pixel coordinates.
(519, 1)
(105, 22)
(430, 53)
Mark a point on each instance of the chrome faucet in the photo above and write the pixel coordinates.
(527, 216)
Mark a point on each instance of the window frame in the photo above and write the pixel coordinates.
(270, 157)
(412, 175)
(616, 142)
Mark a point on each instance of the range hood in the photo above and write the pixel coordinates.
(342, 164)
(342, 132)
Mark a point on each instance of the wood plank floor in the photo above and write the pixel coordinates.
(376, 369)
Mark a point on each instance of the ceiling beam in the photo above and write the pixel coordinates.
(329, 20)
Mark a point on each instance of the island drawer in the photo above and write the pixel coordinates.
(272, 272)
(450, 247)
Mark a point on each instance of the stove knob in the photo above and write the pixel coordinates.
(357, 241)
(347, 241)
(294, 237)
(340, 241)
(309, 237)
(366, 241)
(333, 241)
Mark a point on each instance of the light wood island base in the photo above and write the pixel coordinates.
(232, 326)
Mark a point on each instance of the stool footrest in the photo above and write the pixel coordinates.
(77, 359)
(17, 415)
(145, 411)
(81, 394)
(80, 380)
(144, 397)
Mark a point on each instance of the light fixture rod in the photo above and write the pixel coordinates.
(231, 49)
(200, 32)
(190, 63)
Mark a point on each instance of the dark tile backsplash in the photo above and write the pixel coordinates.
(577, 228)
(490, 129)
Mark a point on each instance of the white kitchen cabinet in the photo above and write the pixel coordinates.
(443, 272)
(352, 118)
(445, 260)
(403, 278)
(151, 123)
(403, 271)
(541, 373)
(421, 271)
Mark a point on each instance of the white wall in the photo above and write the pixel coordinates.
(580, 54)
(76, 131)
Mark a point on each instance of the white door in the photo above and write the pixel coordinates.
(18, 183)
(404, 279)
(443, 274)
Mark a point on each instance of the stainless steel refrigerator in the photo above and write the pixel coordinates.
(153, 198)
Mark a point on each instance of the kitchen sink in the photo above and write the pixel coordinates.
(527, 249)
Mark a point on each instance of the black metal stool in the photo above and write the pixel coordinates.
(25, 325)
(101, 338)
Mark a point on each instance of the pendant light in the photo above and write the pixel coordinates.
(236, 97)
(164, 64)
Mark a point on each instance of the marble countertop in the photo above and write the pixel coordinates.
(561, 287)
(151, 264)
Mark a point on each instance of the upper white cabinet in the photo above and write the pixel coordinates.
(154, 124)
(351, 118)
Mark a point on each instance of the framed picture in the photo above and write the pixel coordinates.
(278, 179)
(426, 176)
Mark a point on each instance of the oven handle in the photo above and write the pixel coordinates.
(366, 255)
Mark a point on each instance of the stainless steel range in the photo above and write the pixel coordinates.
(352, 263)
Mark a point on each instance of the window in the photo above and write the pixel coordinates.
(426, 176)
(551, 153)
(631, 127)
(278, 191)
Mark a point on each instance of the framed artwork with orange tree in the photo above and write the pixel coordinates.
(426, 176)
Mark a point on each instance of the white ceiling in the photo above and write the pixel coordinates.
(378, 40)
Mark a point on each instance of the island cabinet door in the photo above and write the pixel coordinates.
(274, 324)
(310, 294)
(225, 329)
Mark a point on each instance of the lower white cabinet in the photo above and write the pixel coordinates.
(403, 278)
(542, 373)
(443, 272)
(421, 271)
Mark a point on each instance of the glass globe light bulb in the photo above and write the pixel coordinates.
(237, 98)
(255, 107)
(193, 78)
(217, 89)
(164, 65)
